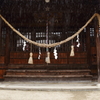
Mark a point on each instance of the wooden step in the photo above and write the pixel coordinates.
(49, 66)
(48, 72)
(11, 70)
(57, 76)
(47, 77)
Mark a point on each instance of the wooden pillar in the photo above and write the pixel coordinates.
(7, 47)
(0, 38)
(88, 46)
(98, 52)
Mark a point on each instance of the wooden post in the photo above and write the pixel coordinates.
(0, 38)
(98, 53)
(88, 46)
(7, 47)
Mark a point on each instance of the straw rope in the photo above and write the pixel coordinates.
(54, 44)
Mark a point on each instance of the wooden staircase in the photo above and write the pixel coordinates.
(48, 72)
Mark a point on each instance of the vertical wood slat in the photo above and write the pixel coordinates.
(1, 57)
(14, 43)
(88, 46)
(98, 44)
(94, 49)
(7, 48)
(98, 52)
(0, 38)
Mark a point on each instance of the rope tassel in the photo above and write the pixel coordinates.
(47, 59)
(30, 61)
(72, 51)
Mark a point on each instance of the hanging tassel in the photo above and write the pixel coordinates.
(30, 61)
(72, 51)
(47, 59)
(39, 53)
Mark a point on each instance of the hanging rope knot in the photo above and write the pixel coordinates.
(31, 54)
(30, 61)
(72, 51)
(47, 59)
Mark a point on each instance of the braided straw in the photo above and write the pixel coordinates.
(54, 44)
(98, 16)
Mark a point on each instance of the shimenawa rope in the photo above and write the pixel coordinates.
(54, 44)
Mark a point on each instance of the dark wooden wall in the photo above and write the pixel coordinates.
(63, 58)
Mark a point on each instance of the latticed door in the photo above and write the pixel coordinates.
(49, 21)
(49, 28)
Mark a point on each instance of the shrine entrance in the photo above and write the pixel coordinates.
(46, 23)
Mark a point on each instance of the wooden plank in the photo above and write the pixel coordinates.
(98, 53)
(84, 70)
(47, 72)
(66, 76)
(49, 66)
(88, 46)
(7, 46)
(0, 38)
